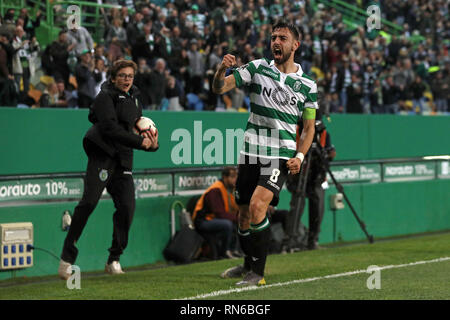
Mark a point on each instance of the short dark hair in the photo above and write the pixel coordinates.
(226, 172)
(120, 64)
(283, 23)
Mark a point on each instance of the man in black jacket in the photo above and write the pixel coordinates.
(109, 145)
(315, 192)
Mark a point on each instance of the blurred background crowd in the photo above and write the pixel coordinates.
(178, 45)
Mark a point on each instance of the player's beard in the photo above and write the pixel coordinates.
(283, 58)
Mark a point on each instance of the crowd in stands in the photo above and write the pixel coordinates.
(179, 44)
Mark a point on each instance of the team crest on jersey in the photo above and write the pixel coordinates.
(280, 96)
(297, 86)
(103, 175)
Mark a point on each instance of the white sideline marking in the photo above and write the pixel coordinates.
(281, 284)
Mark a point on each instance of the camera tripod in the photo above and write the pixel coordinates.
(293, 218)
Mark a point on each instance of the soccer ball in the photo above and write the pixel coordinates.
(143, 124)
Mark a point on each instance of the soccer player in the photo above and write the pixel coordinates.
(280, 94)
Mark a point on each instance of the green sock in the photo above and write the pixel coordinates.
(260, 237)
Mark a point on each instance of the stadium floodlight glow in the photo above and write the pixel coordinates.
(443, 157)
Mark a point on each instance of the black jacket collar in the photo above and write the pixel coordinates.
(110, 88)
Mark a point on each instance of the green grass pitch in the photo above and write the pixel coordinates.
(202, 281)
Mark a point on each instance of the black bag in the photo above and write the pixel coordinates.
(277, 236)
(184, 247)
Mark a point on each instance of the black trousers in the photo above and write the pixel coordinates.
(103, 172)
(316, 197)
(316, 201)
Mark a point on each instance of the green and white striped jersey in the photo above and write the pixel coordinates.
(277, 101)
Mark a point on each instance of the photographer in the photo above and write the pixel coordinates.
(316, 177)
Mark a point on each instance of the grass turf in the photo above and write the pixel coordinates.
(427, 281)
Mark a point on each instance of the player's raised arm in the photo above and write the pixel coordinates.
(222, 84)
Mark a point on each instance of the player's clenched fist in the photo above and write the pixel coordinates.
(228, 61)
(294, 165)
(220, 84)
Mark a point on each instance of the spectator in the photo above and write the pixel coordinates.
(158, 84)
(335, 107)
(99, 53)
(173, 21)
(215, 38)
(439, 88)
(58, 55)
(124, 15)
(229, 38)
(180, 68)
(49, 98)
(9, 26)
(376, 97)
(305, 54)
(344, 81)
(368, 82)
(275, 10)
(263, 12)
(177, 43)
(21, 60)
(160, 47)
(82, 40)
(4, 72)
(86, 79)
(142, 48)
(134, 28)
(196, 68)
(342, 36)
(142, 80)
(215, 57)
(355, 95)
(333, 55)
(8, 93)
(390, 96)
(100, 72)
(9, 49)
(196, 18)
(30, 25)
(237, 99)
(160, 23)
(56, 96)
(173, 94)
(117, 33)
(417, 89)
(65, 97)
(216, 212)
(115, 51)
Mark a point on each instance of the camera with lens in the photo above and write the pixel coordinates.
(319, 153)
(319, 126)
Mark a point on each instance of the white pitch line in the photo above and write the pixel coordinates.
(281, 284)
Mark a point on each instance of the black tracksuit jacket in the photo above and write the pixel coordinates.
(113, 115)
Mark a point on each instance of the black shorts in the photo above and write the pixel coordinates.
(268, 173)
